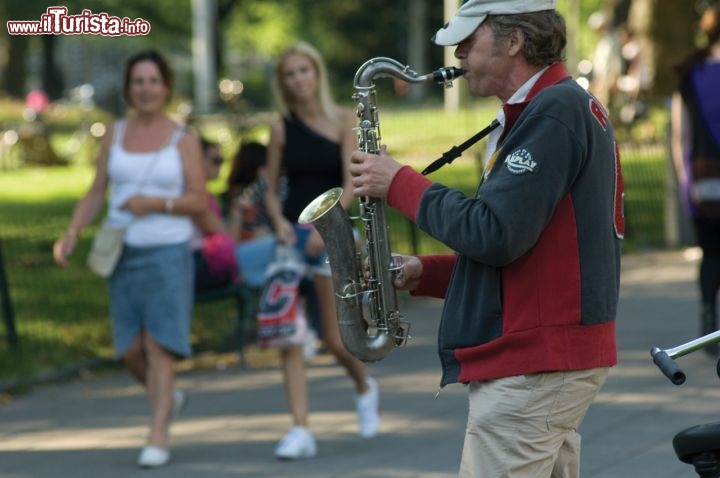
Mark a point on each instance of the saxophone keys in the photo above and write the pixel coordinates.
(397, 266)
(402, 335)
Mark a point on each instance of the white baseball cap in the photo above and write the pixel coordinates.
(473, 12)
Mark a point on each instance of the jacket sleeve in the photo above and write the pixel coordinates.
(406, 190)
(516, 201)
(437, 271)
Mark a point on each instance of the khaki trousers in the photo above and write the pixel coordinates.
(526, 426)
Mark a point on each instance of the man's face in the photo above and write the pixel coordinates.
(485, 61)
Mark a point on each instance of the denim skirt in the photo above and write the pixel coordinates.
(151, 291)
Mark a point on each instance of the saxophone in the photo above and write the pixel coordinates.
(367, 339)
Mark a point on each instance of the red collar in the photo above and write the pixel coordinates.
(553, 75)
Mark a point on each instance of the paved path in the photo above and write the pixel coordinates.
(95, 426)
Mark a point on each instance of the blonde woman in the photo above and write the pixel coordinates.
(311, 144)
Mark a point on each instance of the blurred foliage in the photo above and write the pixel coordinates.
(675, 23)
(250, 33)
(65, 132)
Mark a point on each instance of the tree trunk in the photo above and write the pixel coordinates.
(672, 31)
(417, 45)
(452, 95)
(665, 31)
(52, 78)
(15, 73)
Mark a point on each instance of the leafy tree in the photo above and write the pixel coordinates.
(250, 33)
(14, 73)
(672, 32)
(165, 31)
(346, 33)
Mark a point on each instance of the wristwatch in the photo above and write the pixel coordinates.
(169, 203)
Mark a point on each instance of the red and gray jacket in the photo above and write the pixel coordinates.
(534, 283)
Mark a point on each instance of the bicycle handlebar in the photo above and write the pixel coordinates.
(668, 366)
(664, 358)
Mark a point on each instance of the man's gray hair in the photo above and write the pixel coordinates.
(544, 33)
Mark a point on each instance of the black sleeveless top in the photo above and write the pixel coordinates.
(312, 163)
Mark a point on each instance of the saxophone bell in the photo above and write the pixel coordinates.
(367, 338)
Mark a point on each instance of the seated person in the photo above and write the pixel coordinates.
(247, 219)
(214, 249)
(244, 194)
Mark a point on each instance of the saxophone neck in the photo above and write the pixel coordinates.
(387, 67)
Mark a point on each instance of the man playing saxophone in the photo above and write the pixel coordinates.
(531, 291)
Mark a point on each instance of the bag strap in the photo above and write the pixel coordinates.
(119, 132)
(172, 140)
(119, 135)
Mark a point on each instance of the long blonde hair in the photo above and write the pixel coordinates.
(282, 97)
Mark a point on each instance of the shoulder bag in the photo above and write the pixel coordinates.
(106, 249)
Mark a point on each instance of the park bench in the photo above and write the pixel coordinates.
(253, 257)
(244, 300)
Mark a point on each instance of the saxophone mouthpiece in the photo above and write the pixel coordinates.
(446, 75)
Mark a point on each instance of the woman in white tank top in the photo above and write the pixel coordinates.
(152, 168)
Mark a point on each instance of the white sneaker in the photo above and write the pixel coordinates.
(153, 457)
(368, 410)
(299, 442)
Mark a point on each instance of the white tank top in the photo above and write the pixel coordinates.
(155, 173)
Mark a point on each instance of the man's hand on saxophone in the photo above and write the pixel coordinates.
(408, 278)
(372, 173)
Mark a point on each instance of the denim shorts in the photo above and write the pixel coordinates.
(317, 265)
(151, 290)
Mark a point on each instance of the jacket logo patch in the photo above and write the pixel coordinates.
(521, 162)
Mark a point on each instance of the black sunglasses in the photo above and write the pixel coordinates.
(216, 160)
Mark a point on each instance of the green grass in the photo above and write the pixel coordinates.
(61, 314)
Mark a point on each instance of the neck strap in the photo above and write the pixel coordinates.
(554, 74)
(453, 153)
